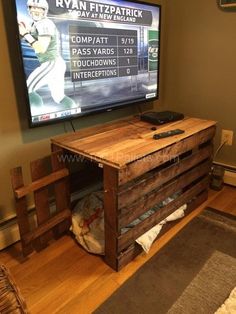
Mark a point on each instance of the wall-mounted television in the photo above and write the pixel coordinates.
(79, 56)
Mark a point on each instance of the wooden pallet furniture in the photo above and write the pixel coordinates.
(50, 223)
(140, 172)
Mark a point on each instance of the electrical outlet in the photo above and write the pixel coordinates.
(227, 137)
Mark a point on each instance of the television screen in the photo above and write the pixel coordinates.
(82, 56)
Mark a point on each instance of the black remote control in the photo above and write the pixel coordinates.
(158, 136)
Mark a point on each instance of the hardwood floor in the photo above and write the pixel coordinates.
(63, 278)
(225, 200)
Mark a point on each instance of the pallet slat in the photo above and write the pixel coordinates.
(39, 169)
(121, 142)
(21, 208)
(143, 165)
(129, 214)
(135, 249)
(110, 215)
(130, 236)
(141, 143)
(46, 226)
(155, 179)
(86, 133)
(40, 183)
(62, 193)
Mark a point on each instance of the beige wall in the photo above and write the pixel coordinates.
(200, 64)
(20, 145)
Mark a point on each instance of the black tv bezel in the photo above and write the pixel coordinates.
(19, 65)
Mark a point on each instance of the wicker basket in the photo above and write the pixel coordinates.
(11, 300)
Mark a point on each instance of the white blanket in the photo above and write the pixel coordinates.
(147, 238)
(88, 223)
(229, 306)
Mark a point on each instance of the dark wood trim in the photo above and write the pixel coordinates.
(110, 214)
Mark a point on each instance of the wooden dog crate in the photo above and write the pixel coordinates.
(139, 172)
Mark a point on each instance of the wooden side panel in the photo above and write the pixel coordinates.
(46, 221)
(129, 237)
(21, 209)
(128, 214)
(135, 249)
(110, 215)
(156, 178)
(39, 169)
(149, 162)
(47, 225)
(62, 194)
(41, 183)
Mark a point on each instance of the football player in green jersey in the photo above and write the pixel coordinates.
(42, 36)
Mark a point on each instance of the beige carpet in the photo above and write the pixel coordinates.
(229, 306)
(205, 290)
(194, 273)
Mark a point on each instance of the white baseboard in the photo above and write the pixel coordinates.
(230, 173)
(9, 232)
(230, 177)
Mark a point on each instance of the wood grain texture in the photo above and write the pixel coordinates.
(133, 250)
(225, 200)
(21, 208)
(128, 193)
(47, 219)
(130, 236)
(61, 192)
(167, 153)
(110, 215)
(41, 183)
(141, 205)
(46, 226)
(147, 145)
(39, 169)
(122, 142)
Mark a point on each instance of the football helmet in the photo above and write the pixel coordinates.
(43, 4)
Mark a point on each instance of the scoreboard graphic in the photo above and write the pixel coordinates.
(98, 53)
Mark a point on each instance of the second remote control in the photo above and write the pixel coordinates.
(158, 136)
